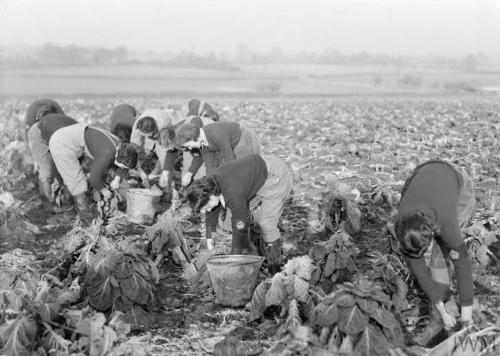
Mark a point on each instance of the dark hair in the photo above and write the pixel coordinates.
(127, 155)
(186, 132)
(147, 125)
(199, 192)
(415, 232)
(123, 132)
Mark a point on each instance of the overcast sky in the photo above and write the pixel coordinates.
(415, 27)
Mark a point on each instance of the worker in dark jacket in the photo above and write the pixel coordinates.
(68, 145)
(435, 201)
(122, 120)
(200, 109)
(38, 147)
(252, 187)
(230, 139)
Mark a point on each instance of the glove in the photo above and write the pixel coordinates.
(164, 178)
(143, 175)
(115, 184)
(448, 319)
(187, 178)
(466, 315)
(106, 193)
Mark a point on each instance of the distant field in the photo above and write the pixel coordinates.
(264, 80)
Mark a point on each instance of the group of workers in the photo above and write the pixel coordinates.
(223, 169)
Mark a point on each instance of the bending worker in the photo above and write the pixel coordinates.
(68, 145)
(436, 200)
(253, 186)
(38, 146)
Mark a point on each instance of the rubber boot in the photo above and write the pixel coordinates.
(432, 329)
(83, 209)
(272, 253)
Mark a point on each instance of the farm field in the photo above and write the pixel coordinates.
(369, 143)
(248, 80)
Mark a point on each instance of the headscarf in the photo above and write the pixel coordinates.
(201, 109)
(162, 120)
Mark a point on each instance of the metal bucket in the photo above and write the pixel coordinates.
(233, 278)
(142, 203)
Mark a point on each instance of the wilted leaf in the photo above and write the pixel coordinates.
(54, 341)
(68, 297)
(258, 302)
(352, 320)
(372, 342)
(308, 307)
(293, 321)
(384, 318)
(121, 327)
(18, 337)
(317, 253)
(300, 266)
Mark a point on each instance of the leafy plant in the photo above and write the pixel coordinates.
(339, 208)
(334, 260)
(479, 236)
(356, 318)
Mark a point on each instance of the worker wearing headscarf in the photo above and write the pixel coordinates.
(38, 147)
(69, 145)
(256, 189)
(200, 108)
(122, 121)
(435, 201)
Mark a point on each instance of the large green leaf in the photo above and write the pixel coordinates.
(345, 300)
(352, 320)
(372, 342)
(17, 338)
(367, 305)
(49, 311)
(296, 287)
(277, 291)
(258, 303)
(328, 316)
(102, 290)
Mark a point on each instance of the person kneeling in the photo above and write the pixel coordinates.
(252, 186)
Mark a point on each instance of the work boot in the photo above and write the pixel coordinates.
(432, 329)
(272, 252)
(83, 208)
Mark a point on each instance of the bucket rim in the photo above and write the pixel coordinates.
(145, 191)
(250, 259)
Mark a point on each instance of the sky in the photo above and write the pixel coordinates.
(398, 27)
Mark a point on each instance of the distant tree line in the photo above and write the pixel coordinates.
(57, 55)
